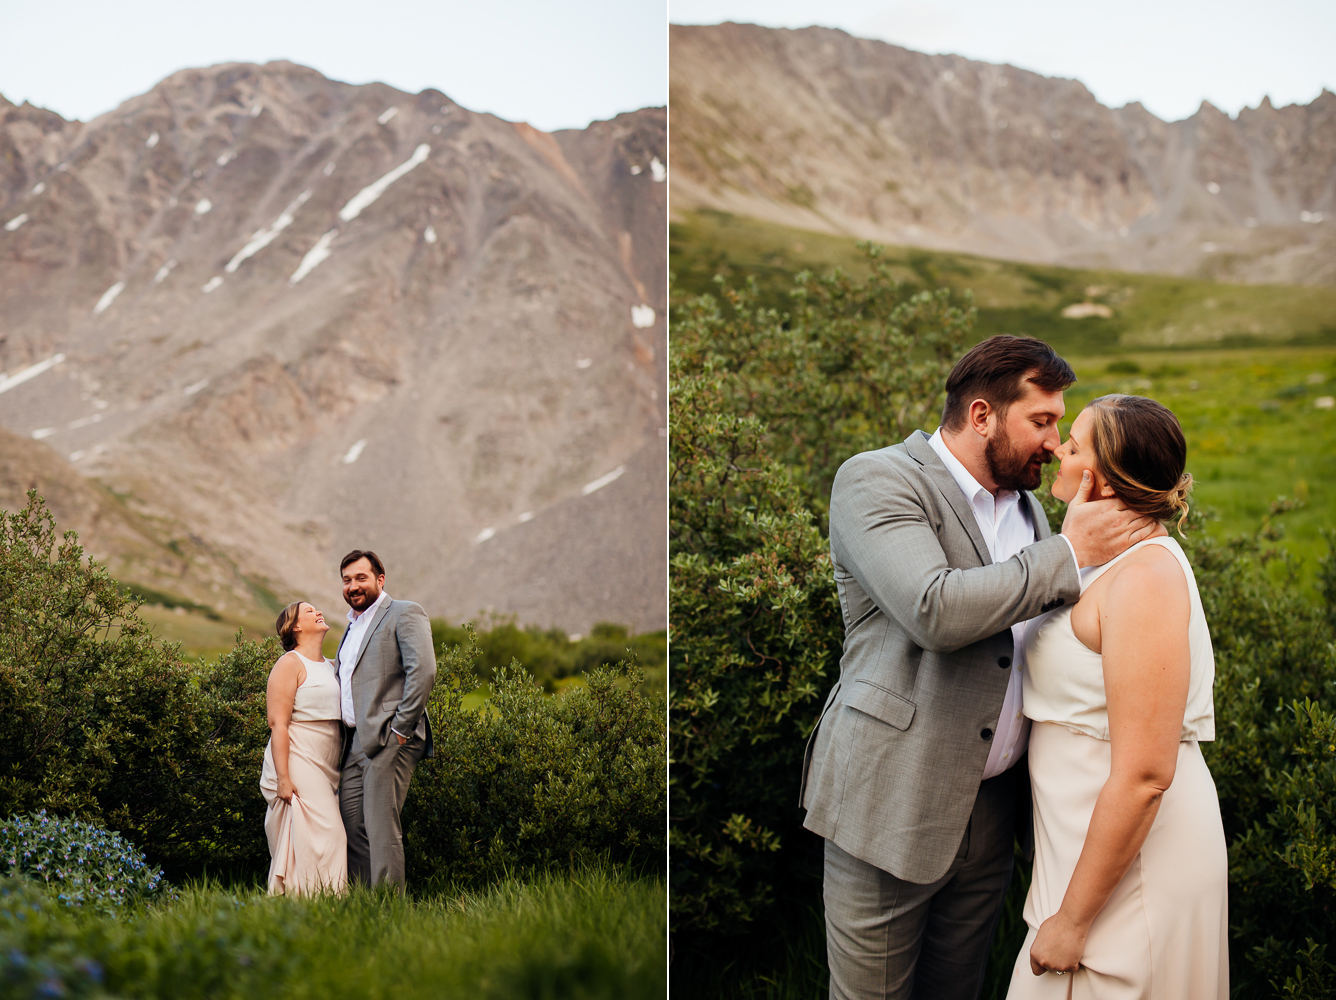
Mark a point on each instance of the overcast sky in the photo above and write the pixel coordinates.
(553, 63)
(1168, 54)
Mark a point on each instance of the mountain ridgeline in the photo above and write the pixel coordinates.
(255, 318)
(817, 129)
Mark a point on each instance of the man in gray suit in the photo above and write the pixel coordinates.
(940, 555)
(386, 668)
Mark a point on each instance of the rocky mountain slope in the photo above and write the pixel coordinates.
(270, 317)
(818, 129)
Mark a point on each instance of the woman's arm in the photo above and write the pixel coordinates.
(280, 697)
(1143, 620)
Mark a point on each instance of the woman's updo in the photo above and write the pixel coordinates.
(1140, 449)
(287, 624)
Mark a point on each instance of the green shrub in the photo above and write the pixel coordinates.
(97, 719)
(536, 781)
(79, 863)
(765, 407)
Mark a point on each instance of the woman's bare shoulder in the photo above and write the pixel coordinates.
(287, 665)
(1151, 573)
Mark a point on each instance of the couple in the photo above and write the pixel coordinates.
(971, 635)
(346, 735)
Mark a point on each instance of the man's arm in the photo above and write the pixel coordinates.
(413, 633)
(883, 536)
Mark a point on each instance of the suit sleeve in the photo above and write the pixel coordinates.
(413, 633)
(881, 532)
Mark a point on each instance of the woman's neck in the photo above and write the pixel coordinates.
(313, 648)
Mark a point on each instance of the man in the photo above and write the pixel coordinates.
(386, 669)
(940, 555)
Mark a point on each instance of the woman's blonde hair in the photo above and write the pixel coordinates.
(287, 622)
(1140, 450)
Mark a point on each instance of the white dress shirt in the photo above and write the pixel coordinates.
(1006, 525)
(348, 651)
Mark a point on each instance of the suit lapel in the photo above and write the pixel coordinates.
(370, 631)
(921, 451)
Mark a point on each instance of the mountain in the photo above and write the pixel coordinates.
(267, 317)
(818, 129)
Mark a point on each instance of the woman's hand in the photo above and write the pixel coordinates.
(1058, 946)
(285, 789)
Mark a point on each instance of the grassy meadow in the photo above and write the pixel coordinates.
(1245, 367)
(590, 934)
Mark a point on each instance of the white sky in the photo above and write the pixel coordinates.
(553, 63)
(1168, 54)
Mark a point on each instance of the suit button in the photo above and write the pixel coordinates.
(1004, 662)
(1059, 603)
(987, 734)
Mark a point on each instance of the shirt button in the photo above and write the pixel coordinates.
(987, 734)
(1004, 661)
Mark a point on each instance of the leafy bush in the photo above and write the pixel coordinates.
(97, 719)
(848, 367)
(766, 405)
(81, 863)
(535, 781)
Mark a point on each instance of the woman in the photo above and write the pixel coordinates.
(1128, 897)
(300, 779)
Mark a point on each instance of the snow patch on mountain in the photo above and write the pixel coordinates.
(268, 234)
(371, 192)
(314, 257)
(32, 371)
(108, 297)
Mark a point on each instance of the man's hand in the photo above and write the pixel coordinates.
(401, 740)
(1101, 530)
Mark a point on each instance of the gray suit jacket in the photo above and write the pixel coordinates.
(893, 767)
(393, 676)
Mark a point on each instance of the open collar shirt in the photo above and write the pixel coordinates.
(1006, 525)
(358, 624)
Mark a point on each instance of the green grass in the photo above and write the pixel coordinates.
(1149, 311)
(1254, 432)
(201, 635)
(589, 935)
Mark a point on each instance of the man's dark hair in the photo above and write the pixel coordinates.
(997, 370)
(368, 555)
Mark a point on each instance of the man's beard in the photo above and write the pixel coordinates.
(1011, 468)
(361, 600)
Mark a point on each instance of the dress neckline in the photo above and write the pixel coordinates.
(1090, 574)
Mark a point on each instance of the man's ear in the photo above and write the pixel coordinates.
(979, 412)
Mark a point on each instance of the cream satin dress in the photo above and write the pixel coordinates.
(306, 838)
(1163, 933)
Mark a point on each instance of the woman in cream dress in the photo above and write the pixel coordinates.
(1129, 896)
(300, 779)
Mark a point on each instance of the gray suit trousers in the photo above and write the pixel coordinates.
(888, 938)
(372, 791)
